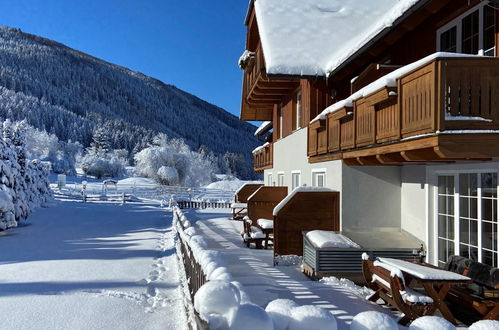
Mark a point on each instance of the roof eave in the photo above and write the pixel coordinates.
(379, 36)
(248, 13)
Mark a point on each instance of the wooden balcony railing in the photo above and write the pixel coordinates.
(447, 96)
(263, 158)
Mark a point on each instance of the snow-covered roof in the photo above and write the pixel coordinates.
(389, 80)
(265, 126)
(312, 38)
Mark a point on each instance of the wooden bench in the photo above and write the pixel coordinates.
(481, 296)
(260, 206)
(390, 286)
(239, 207)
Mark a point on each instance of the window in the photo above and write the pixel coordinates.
(297, 112)
(269, 179)
(319, 179)
(445, 218)
(295, 178)
(281, 110)
(280, 179)
(467, 217)
(471, 33)
(448, 41)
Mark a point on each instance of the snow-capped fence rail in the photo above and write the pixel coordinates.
(194, 274)
(202, 204)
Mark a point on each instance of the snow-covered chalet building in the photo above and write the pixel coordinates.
(393, 103)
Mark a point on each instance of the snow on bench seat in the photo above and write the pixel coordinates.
(329, 239)
(265, 223)
(423, 272)
(239, 205)
(256, 233)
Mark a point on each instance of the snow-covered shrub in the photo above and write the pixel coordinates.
(372, 320)
(168, 175)
(279, 311)
(48, 148)
(170, 161)
(485, 325)
(39, 192)
(251, 316)
(103, 165)
(23, 186)
(431, 323)
(312, 317)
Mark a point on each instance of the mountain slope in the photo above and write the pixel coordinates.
(68, 93)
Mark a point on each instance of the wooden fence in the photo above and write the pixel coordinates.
(193, 271)
(203, 204)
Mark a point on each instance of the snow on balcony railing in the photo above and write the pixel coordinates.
(389, 80)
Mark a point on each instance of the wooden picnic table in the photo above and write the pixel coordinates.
(435, 281)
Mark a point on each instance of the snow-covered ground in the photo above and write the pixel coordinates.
(91, 266)
(264, 283)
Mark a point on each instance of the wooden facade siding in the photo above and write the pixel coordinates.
(305, 211)
(387, 121)
(421, 104)
(417, 99)
(261, 204)
(347, 132)
(333, 135)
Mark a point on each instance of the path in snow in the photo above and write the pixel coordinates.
(264, 282)
(91, 266)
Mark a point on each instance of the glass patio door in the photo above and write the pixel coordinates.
(466, 216)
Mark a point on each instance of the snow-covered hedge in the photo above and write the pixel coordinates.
(24, 184)
(224, 304)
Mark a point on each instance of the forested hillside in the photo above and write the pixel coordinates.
(69, 93)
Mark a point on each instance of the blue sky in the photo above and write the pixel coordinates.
(192, 44)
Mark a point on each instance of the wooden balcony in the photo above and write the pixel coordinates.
(445, 111)
(263, 158)
(260, 92)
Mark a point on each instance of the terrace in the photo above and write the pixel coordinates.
(443, 108)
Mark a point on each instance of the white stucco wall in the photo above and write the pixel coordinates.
(371, 197)
(375, 197)
(413, 200)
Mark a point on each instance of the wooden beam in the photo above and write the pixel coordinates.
(263, 97)
(258, 91)
(351, 162)
(277, 85)
(420, 155)
(370, 160)
(416, 144)
(394, 158)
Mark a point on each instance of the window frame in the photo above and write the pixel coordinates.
(269, 180)
(293, 173)
(457, 241)
(316, 173)
(458, 23)
(281, 177)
